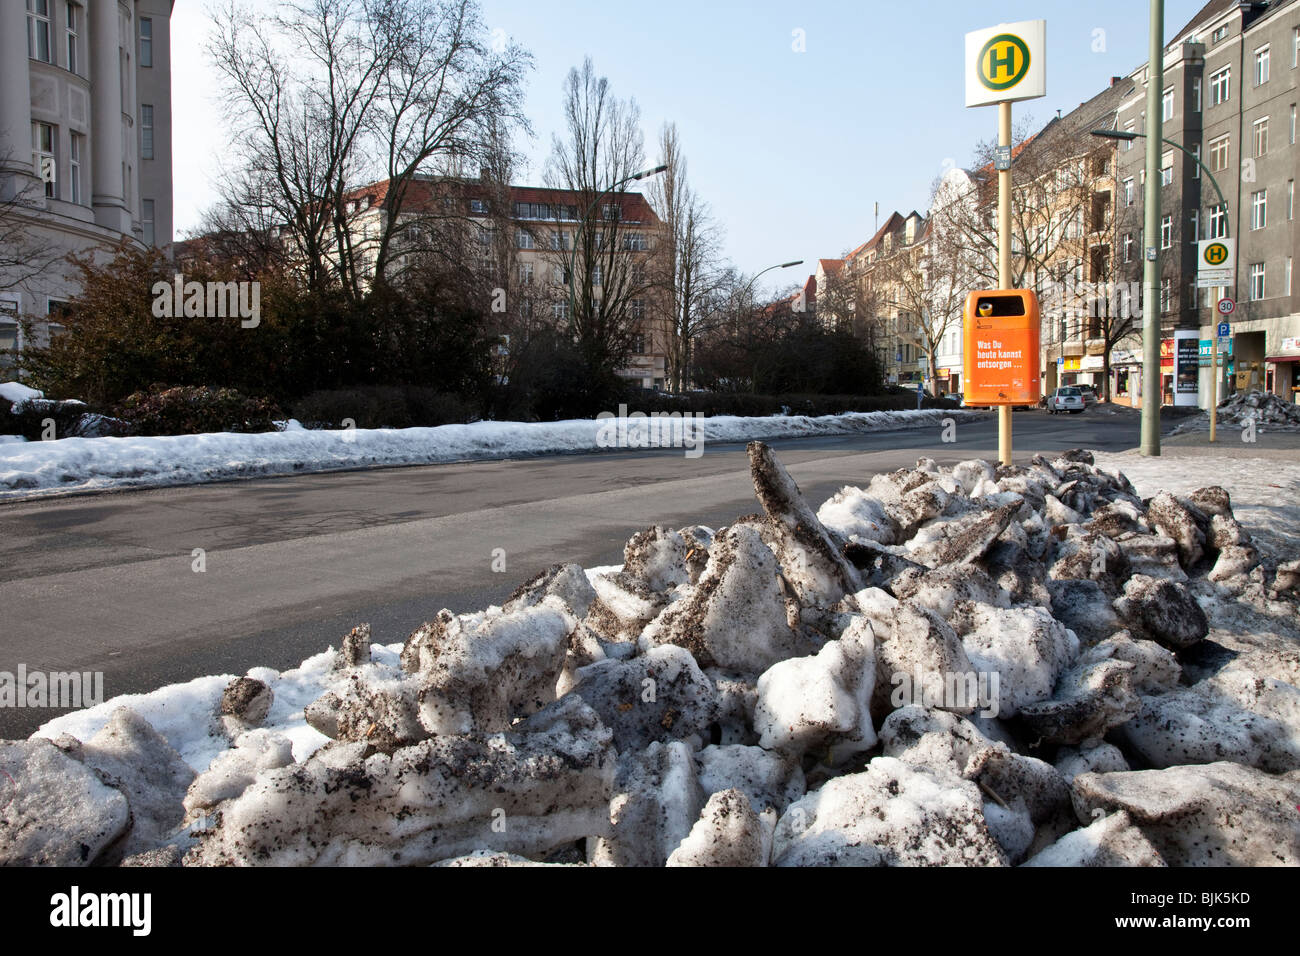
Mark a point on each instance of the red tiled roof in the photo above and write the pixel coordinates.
(421, 192)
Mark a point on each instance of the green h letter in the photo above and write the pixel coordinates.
(996, 62)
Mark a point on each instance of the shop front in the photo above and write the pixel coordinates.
(1125, 377)
(1284, 370)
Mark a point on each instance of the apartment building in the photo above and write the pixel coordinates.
(521, 240)
(1068, 244)
(1230, 95)
(85, 144)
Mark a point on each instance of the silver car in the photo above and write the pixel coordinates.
(1068, 399)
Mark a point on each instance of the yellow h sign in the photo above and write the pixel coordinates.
(1003, 62)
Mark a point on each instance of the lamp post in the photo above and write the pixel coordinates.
(582, 224)
(749, 286)
(1129, 136)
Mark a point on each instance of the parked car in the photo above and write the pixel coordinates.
(1089, 393)
(1068, 399)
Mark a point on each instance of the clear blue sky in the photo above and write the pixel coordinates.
(791, 150)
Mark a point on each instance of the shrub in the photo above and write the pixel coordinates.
(751, 406)
(193, 410)
(379, 406)
(29, 418)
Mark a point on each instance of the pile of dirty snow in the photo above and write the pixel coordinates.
(973, 665)
(1266, 410)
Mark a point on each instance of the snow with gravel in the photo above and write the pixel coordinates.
(630, 716)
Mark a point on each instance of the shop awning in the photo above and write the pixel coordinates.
(1283, 358)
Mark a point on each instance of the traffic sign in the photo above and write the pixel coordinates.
(1225, 330)
(1226, 306)
(1006, 63)
(1214, 262)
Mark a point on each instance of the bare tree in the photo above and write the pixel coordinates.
(1055, 174)
(688, 262)
(322, 94)
(602, 147)
(927, 282)
(25, 253)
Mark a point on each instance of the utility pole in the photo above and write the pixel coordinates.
(1151, 382)
(1004, 260)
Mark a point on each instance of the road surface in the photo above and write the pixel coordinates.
(106, 582)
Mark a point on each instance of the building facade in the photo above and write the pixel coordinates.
(85, 144)
(520, 240)
(1231, 88)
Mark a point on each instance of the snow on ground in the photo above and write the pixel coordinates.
(33, 469)
(16, 392)
(1265, 492)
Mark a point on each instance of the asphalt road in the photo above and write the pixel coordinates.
(106, 582)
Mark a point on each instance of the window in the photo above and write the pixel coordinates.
(1219, 153)
(146, 42)
(597, 274)
(1166, 295)
(1194, 226)
(560, 310)
(1295, 48)
(1257, 284)
(1290, 200)
(1166, 232)
(1167, 105)
(1218, 222)
(525, 273)
(1261, 66)
(1129, 127)
(525, 240)
(1292, 136)
(533, 210)
(637, 311)
(1128, 192)
(635, 242)
(638, 344)
(74, 167)
(44, 161)
(1196, 95)
(1259, 209)
(1288, 275)
(146, 221)
(477, 206)
(1221, 86)
(1259, 130)
(559, 241)
(71, 10)
(1220, 34)
(146, 131)
(1128, 247)
(1167, 169)
(610, 213)
(1196, 167)
(38, 30)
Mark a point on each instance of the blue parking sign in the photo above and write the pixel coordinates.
(1225, 330)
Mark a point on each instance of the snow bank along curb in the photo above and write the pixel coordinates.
(82, 464)
(799, 688)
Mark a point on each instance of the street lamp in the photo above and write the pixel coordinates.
(1129, 136)
(582, 224)
(784, 265)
